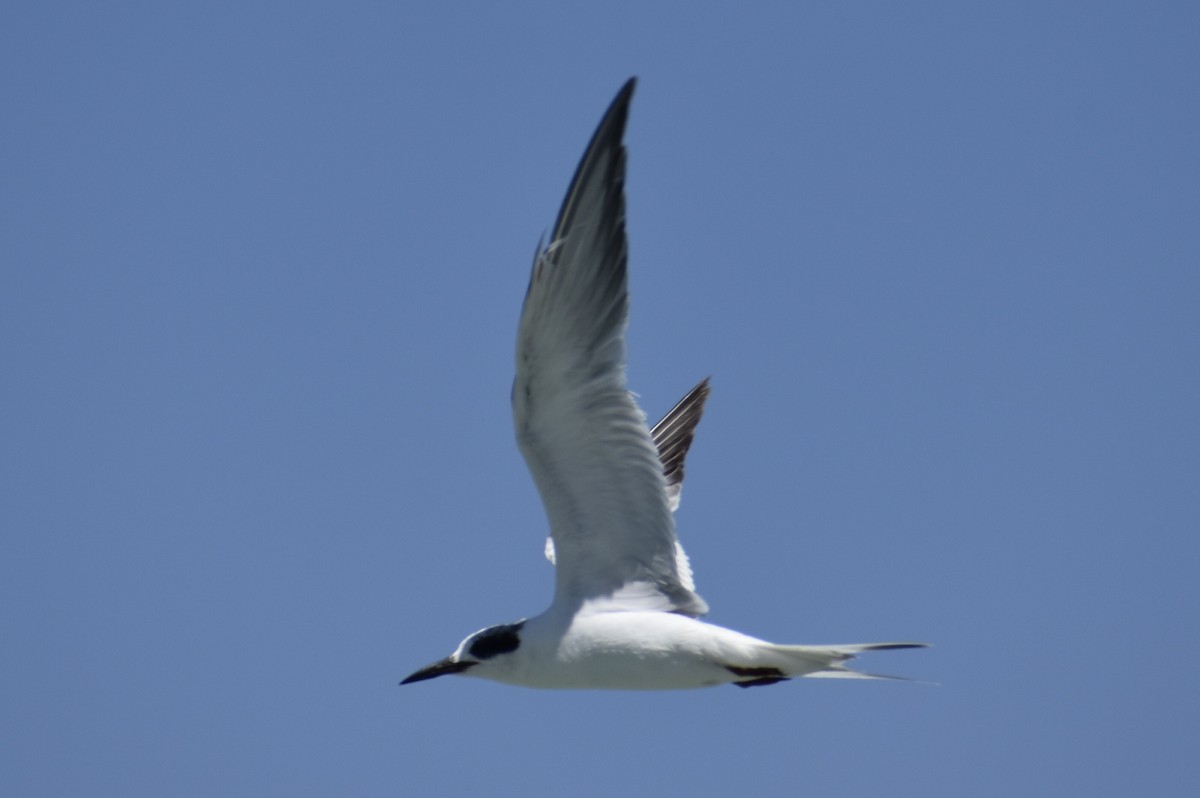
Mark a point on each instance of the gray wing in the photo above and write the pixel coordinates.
(583, 437)
(672, 436)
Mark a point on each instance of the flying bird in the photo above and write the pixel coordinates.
(625, 613)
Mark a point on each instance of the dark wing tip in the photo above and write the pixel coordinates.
(607, 137)
(673, 435)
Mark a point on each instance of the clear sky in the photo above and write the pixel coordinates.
(260, 271)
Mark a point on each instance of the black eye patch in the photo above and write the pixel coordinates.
(496, 640)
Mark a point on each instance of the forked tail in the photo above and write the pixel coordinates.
(825, 662)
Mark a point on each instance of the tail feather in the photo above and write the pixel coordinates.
(828, 662)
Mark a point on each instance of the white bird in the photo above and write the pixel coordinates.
(625, 613)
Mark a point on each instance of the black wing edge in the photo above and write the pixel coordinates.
(600, 169)
(608, 136)
(673, 435)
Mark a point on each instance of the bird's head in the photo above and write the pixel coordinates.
(478, 655)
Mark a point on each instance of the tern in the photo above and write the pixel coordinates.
(625, 614)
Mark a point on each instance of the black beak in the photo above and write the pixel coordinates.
(439, 668)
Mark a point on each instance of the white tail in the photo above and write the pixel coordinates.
(829, 662)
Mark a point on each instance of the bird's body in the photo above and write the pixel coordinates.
(618, 650)
(625, 613)
(648, 650)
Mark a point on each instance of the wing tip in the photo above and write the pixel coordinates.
(609, 135)
(675, 431)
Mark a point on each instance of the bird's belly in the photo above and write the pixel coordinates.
(627, 671)
(621, 651)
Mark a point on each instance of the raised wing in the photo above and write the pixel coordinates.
(584, 438)
(672, 437)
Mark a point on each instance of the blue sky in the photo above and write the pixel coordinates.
(260, 271)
